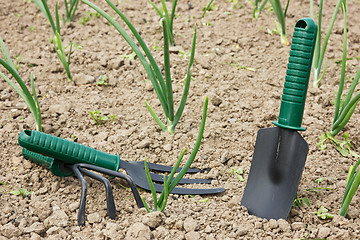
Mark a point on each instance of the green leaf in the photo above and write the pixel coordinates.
(306, 201)
(15, 192)
(323, 213)
(151, 184)
(319, 180)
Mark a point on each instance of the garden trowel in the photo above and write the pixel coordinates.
(280, 152)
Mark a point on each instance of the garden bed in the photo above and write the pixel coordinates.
(230, 46)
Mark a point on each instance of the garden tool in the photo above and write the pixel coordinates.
(69, 152)
(63, 169)
(280, 152)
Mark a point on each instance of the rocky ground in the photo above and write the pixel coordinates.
(238, 64)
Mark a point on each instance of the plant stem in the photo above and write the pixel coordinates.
(353, 187)
(342, 77)
(320, 56)
(194, 151)
(170, 100)
(151, 184)
(281, 15)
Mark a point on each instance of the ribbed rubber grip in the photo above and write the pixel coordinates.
(297, 75)
(55, 166)
(66, 151)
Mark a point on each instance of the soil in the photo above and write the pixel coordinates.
(241, 102)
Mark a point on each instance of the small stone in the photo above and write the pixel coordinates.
(215, 100)
(210, 237)
(58, 218)
(10, 231)
(243, 229)
(233, 202)
(174, 49)
(138, 231)
(153, 219)
(143, 144)
(225, 157)
(115, 63)
(36, 227)
(208, 229)
(160, 232)
(16, 161)
(94, 218)
(204, 62)
(148, 86)
(190, 224)
(258, 225)
(82, 79)
(74, 206)
(41, 208)
(53, 230)
(60, 108)
(296, 226)
(111, 230)
(353, 212)
(273, 224)
(323, 232)
(27, 165)
(103, 62)
(167, 147)
(284, 225)
(34, 236)
(192, 235)
(179, 225)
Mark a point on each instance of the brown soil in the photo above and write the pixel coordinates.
(241, 103)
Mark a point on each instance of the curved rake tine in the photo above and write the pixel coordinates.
(110, 203)
(163, 168)
(160, 179)
(81, 213)
(130, 181)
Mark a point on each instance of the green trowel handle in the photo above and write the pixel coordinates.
(66, 151)
(55, 166)
(297, 75)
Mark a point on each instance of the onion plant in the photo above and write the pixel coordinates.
(207, 8)
(56, 40)
(281, 16)
(352, 184)
(343, 109)
(258, 7)
(343, 112)
(164, 13)
(31, 100)
(319, 53)
(171, 182)
(70, 9)
(163, 88)
(341, 117)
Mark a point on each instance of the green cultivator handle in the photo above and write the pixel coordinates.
(297, 75)
(55, 166)
(68, 151)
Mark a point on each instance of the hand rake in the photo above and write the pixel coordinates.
(62, 154)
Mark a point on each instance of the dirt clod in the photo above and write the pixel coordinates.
(153, 219)
(139, 231)
(237, 64)
(58, 218)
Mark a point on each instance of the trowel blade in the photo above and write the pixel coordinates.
(276, 168)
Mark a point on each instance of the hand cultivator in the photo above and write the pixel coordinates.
(66, 158)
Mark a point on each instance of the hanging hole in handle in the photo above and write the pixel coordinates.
(27, 132)
(301, 24)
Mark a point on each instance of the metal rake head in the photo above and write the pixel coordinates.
(136, 170)
(81, 169)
